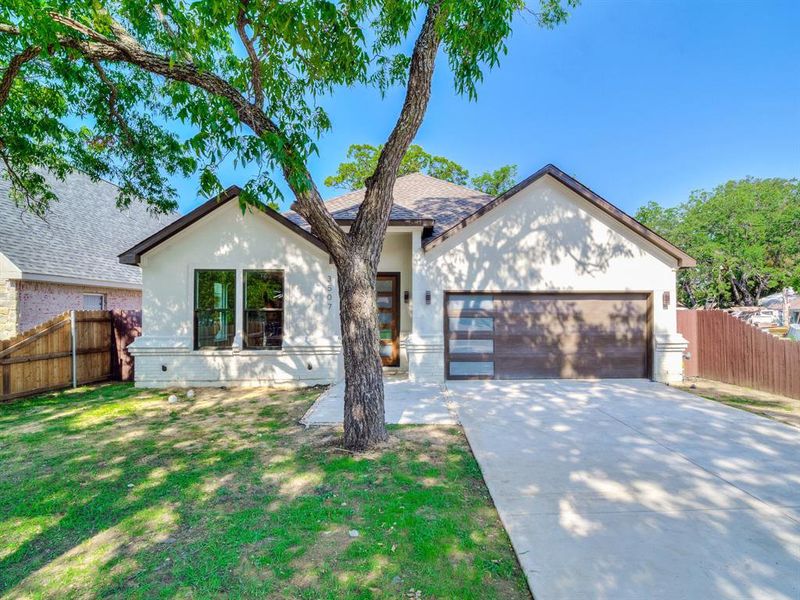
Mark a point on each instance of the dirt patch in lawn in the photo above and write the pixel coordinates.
(780, 408)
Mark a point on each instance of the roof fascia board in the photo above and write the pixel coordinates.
(396, 222)
(62, 280)
(426, 224)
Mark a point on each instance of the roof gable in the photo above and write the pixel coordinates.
(133, 255)
(684, 260)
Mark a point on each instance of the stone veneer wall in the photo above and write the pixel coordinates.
(39, 301)
(9, 309)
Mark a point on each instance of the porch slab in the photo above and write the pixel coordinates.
(406, 403)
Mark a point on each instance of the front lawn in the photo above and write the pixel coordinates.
(116, 491)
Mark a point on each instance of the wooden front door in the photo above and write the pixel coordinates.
(389, 318)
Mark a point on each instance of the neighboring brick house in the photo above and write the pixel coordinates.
(68, 260)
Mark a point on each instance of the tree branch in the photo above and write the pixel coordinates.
(255, 62)
(13, 69)
(162, 18)
(8, 29)
(100, 51)
(32, 204)
(125, 48)
(6, 82)
(376, 208)
(113, 109)
(79, 27)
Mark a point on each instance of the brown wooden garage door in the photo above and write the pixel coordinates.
(530, 336)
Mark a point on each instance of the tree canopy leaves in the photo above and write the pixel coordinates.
(496, 182)
(744, 234)
(100, 85)
(352, 174)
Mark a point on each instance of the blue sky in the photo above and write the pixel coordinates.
(639, 100)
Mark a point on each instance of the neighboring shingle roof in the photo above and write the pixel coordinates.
(416, 196)
(81, 235)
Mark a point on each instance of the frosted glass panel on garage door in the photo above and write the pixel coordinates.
(471, 346)
(471, 324)
(472, 369)
(458, 303)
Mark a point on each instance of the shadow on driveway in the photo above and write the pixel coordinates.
(631, 489)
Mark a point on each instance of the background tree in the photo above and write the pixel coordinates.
(744, 234)
(98, 84)
(353, 174)
(496, 182)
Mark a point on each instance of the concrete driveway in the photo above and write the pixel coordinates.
(405, 403)
(631, 489)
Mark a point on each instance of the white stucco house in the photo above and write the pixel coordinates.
(548, 280)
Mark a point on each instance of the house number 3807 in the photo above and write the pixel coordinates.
(329, 297)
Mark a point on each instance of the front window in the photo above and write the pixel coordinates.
(214, 305)
(263, 309)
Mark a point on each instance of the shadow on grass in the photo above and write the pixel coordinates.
(114, 491)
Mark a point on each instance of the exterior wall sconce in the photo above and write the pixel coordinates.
(665, 300)
(427, 297)
(405, 297)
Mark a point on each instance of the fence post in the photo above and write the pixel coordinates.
(73, 336)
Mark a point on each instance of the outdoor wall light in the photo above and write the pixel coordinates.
(665, 300)
(405, 296)
(427, 297)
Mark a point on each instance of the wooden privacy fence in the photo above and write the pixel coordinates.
(75, 348)
(727, 349)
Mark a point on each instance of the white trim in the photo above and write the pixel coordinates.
(60, 279)
(319, 350)
(238, 318)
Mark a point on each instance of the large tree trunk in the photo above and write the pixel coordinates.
(356, 253)
(363, 395)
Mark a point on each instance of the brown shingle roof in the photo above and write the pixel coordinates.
(416, 196)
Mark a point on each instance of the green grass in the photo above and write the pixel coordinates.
(746, 402)
(114, 491)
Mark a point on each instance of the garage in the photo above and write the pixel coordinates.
(512, 335)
